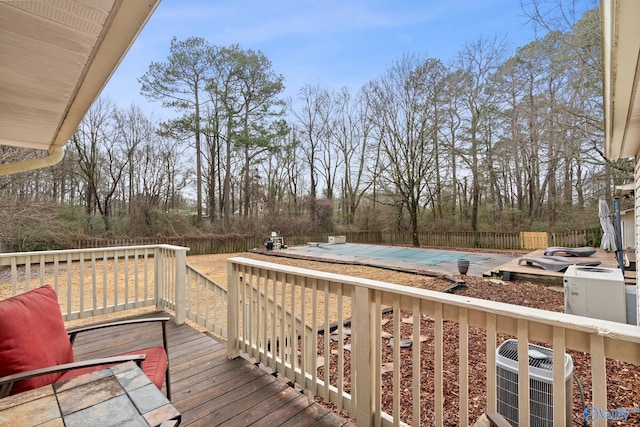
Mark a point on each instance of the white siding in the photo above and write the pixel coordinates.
(628, 223)
(637, 229)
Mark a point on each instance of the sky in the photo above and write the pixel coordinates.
(331, 43)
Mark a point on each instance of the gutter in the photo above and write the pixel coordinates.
(55, 155)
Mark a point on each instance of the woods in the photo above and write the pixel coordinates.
(487, 142)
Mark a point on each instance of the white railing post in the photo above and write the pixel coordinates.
(181, 273)
(361, 367)
(233, 315)
(158, 276)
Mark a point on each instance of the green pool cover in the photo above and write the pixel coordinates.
(415, 255)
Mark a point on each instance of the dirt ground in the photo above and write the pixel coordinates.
(215, 266)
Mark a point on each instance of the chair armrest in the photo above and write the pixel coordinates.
(497, 420)
(74, 331)
(6, 383)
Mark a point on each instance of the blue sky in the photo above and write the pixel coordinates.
(332, 43)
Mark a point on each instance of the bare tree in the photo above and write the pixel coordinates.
(313, 130)
(134, 128)
(100, 158)
(478, 61)
(352, 132)
(405, 130)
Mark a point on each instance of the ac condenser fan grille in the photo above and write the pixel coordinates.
(539, 357)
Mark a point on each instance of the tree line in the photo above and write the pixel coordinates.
(486, 142)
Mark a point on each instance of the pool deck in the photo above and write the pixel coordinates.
(512, 270)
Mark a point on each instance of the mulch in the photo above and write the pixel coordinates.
(622, 378)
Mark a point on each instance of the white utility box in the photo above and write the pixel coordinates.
(595, 292)
(335, 240)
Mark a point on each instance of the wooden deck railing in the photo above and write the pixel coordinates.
(275, 311)
(330, 334)
(92, 282)
(206, 302)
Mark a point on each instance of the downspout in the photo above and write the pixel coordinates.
(55, 155)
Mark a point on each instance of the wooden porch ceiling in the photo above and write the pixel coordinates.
(209, 389)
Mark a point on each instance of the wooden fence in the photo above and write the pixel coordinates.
(234, 243)
(459, 239)
(198, 245)
(534, 239)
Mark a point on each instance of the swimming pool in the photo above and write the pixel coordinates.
(413, 255)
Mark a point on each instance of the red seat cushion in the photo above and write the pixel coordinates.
(154, 366)
(32, 336)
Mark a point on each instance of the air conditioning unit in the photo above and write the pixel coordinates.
(540, 384)
(595, 292)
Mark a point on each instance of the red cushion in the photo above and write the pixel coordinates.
(32, 336)
(154, 366)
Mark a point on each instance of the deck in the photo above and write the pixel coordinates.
(209, 389)
(512, 270)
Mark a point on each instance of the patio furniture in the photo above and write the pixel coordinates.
(555, 263)
(36, 350)
(584, 251)
(120, 395)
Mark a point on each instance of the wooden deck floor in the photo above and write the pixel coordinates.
(513, 270)
(209, 389)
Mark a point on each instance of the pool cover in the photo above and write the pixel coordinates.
(415, 255)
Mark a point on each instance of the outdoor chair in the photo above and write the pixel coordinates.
(556, 263)
(584, 251)
(36, 350)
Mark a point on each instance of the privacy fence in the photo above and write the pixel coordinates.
(234, 243)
